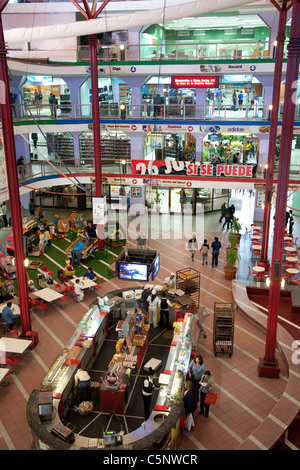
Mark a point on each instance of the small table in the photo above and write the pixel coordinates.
(258, 269)
(47, 294)
(292, 259)
(256, 237)
(292, 270)
(3, 372)
(14, 345)
(15, 308)
(288, 238)
(256, 247)
(86, 282)
(256, 227)
(289, 248)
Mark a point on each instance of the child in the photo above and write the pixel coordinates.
(204, 250)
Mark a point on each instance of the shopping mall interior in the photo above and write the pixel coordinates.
(191, 104)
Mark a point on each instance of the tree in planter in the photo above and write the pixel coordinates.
(236, 228)
(232, 240)
(158, 200)
(230, 268)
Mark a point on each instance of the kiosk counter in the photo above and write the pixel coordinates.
(161, 430)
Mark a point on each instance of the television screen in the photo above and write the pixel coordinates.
(136, 272)
(155, 267)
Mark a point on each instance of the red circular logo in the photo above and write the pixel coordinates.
(134, 181)
(189, 183)
(134, 127)
(190, 128)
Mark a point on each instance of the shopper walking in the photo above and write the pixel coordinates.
(4, 214)
(234, 99)
(292, 221)
(192, 246)
(190, 404)
(197, 368)
(227, 218)
(148, 388)
(204, 250)
(241, 99)
(216, 245)
(164, 310)
(223, 212)
(31, 208)
(207, 384)
(154, 303)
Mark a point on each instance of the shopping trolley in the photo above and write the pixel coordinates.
(201, 319)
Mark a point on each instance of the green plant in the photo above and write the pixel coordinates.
(235, 225)
(232, 257)
(158, 198)
(232, 239)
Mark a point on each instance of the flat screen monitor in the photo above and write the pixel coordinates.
(155, 267)
(133, 271)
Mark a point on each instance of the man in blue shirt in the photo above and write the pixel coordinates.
(76, 253)
(216, 245)
(8, 317)
(90, 275)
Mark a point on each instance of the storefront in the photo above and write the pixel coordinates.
(115, 146)
(183, 200)
(223, 148)
(167, 146)
(36, 91)
(112, 92)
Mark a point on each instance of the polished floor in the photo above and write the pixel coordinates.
(244, 399)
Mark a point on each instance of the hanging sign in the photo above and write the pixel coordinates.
(99, 210)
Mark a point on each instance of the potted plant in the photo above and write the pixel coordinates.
(158, 200)
(233, 242)
(236, 229)
(230, 267)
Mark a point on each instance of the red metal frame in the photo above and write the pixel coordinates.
(268, 365)
(13, 183)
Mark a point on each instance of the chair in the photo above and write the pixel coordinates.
(250, 273)
(41, 307)
(30, 336)
(14, 332)
(97, 287)
(72, 291)
(11, 364)
(4, 325)
(63, 298)
(59, 288)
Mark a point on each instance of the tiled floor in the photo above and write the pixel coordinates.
(244, 399)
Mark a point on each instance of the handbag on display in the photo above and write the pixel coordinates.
(210, 398)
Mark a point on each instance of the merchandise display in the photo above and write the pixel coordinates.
(223, 331)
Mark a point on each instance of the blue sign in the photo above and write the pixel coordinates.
(237, 78)
(133, 69)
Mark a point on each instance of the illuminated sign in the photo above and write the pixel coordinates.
(39, 78)
(237, 78)
(195, 82)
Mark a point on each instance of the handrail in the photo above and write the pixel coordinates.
(41, 168)
(192, 50)
(146, 111)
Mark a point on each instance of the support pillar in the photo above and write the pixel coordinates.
(268, 365)
(13, 183)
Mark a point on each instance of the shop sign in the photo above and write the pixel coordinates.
(156, 167)
(195, 82)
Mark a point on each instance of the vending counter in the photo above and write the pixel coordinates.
(161, 430)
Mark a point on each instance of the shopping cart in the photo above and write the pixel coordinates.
(201, 319)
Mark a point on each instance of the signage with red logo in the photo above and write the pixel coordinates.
(156, 167)
(194, 82)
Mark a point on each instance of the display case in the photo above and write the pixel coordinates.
(223, 328)
(114, 146)
(81, 349)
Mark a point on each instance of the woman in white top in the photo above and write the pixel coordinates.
(154, 303)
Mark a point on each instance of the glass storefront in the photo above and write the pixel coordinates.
(176, 147)
(221, 148)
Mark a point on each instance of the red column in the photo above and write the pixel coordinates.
(268, 365)
(273, 129)
(96, 128)
(13, 186)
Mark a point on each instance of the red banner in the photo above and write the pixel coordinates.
(159, 167)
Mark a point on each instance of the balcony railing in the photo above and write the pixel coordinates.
(213, 50)
(180, 112)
